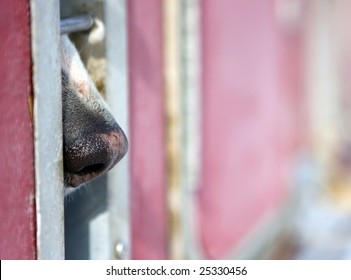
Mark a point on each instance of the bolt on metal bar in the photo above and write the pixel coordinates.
(76, 24)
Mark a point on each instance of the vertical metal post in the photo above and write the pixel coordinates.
(191, 124)
(323, 87)
(48, 128)
(118, 101)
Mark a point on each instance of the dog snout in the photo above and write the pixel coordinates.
(93, 142)
(88, 157)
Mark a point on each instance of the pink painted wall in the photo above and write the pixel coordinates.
(17, 213)
(147, 139)
(250, 82)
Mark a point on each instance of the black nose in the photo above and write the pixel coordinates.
(92, 140)
(90, 156)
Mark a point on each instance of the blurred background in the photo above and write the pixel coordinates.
(257, 135)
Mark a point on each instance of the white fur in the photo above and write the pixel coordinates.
(72, 64)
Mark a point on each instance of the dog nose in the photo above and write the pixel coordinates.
(89, 157)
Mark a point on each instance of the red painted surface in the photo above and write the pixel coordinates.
(147, 143)
(249, 109)
(17, 214)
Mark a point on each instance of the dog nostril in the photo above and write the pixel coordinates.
(93, 168)
(89, 157)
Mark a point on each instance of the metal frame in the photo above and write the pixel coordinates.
(118, 179)
(191, 124)
(48, 123)
(47, 129)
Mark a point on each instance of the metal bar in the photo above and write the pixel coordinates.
(117, 98)
(76, 24)
(323, 87)
(191, 125)
(47, 129)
